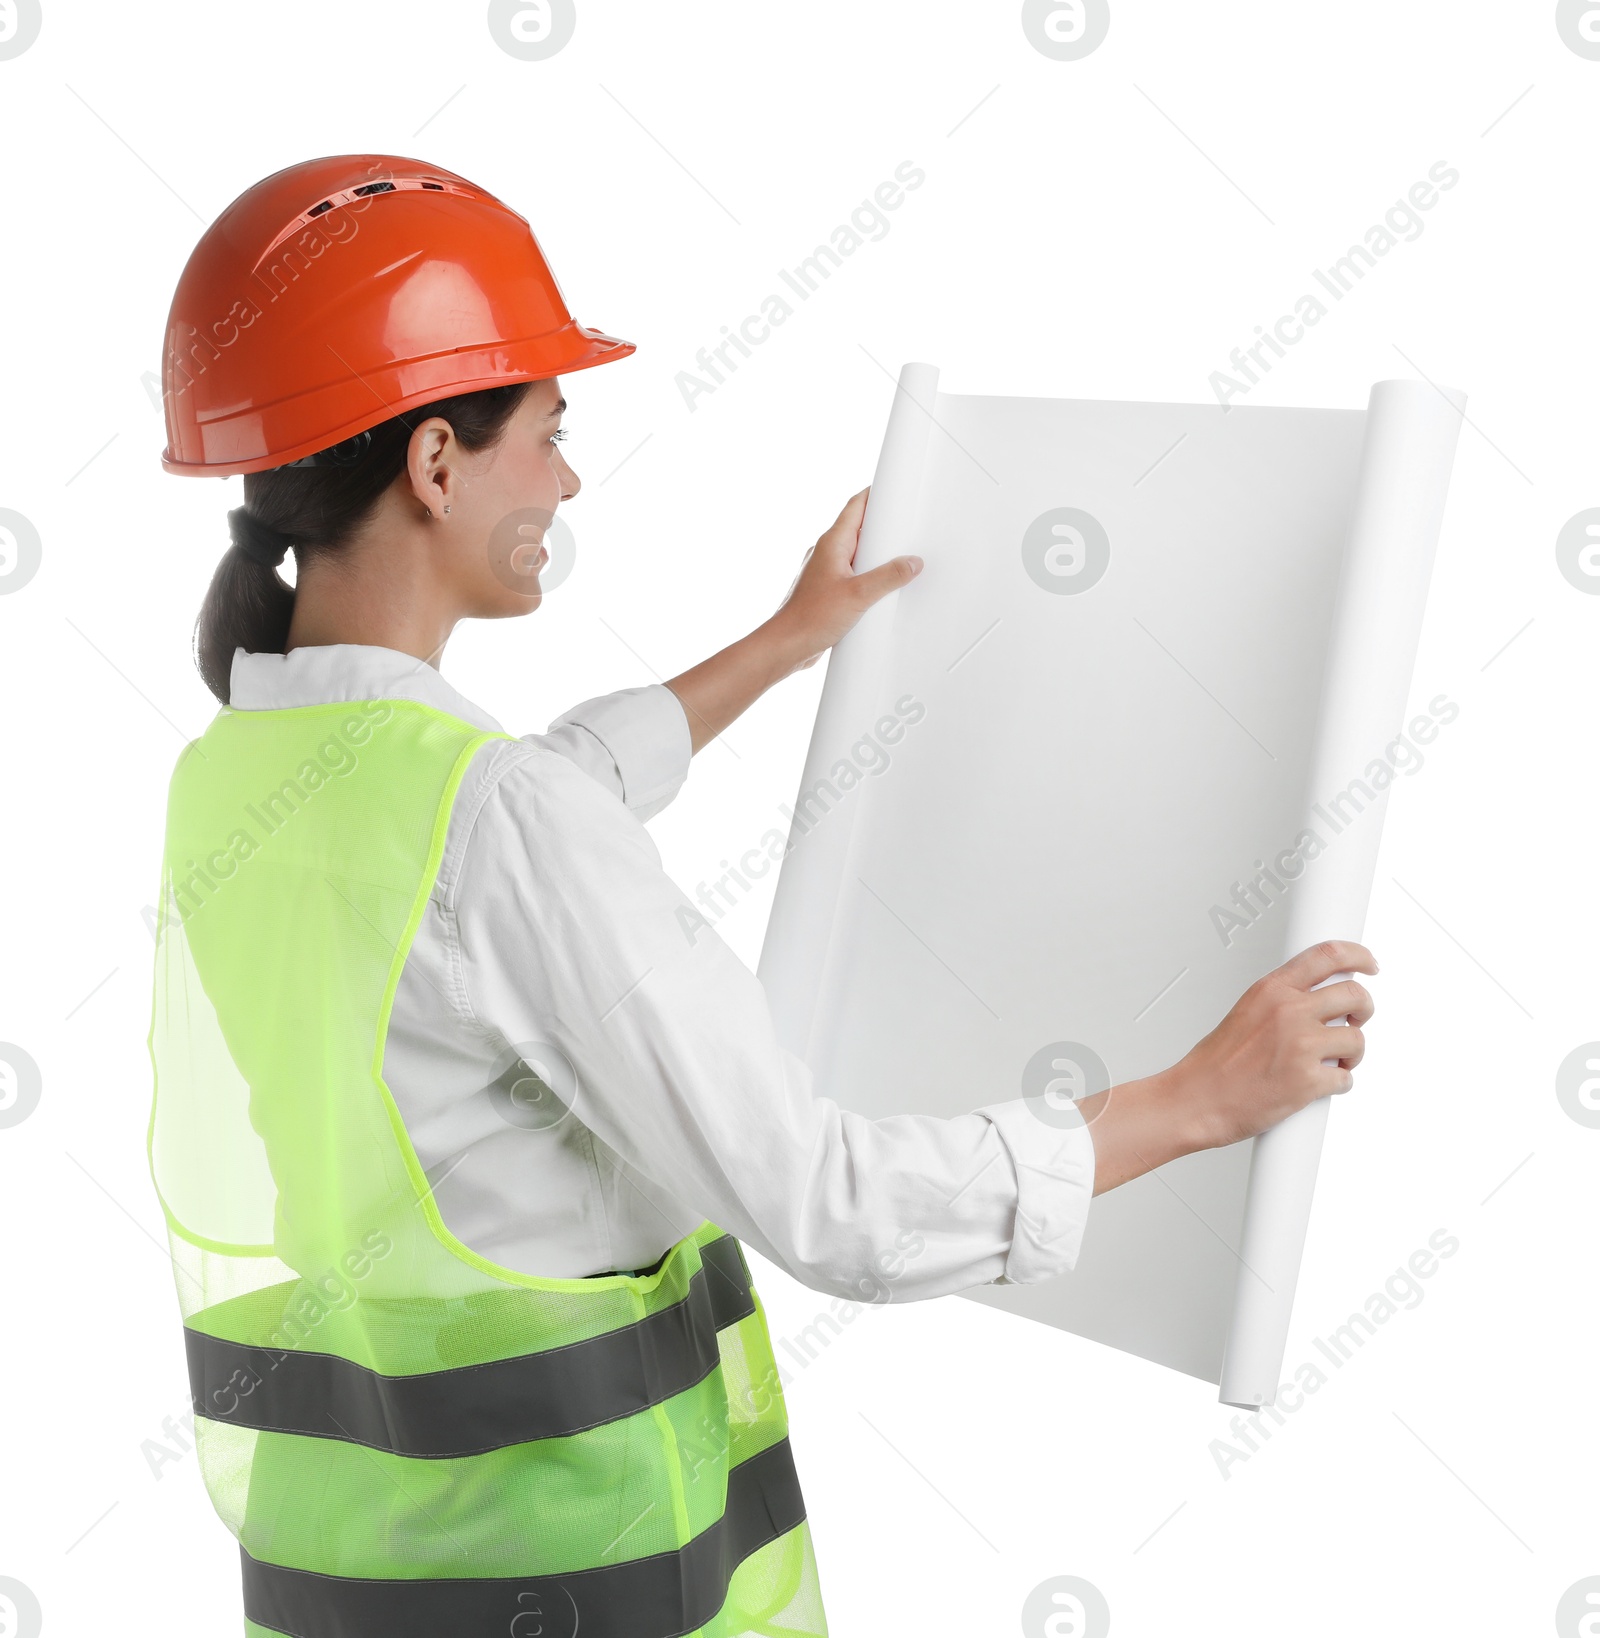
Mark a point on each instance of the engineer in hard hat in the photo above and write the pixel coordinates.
(457, 1135)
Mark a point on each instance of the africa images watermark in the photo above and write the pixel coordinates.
(868, 224)
(307, 1305)
(1252, 899)
(194, 881)
(1402, 1290)
(21, 1085)
(20, 1614)
(21, 551)
(191, 348)
(532, 30)
(868, 757)
(874, 1289)
(20, 22)
(1402, 224)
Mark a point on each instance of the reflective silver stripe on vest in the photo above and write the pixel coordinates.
(471, 1409)
(662, 1596)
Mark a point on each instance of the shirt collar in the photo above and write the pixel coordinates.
(338, 672)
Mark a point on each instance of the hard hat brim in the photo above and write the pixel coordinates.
(408, 385)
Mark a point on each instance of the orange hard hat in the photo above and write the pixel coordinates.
(341, 292)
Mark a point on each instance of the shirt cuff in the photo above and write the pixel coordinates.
(646, 734)
(1055, 1183)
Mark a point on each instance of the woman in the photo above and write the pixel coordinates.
(455, 1124)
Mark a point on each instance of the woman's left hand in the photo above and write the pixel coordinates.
(828, 596)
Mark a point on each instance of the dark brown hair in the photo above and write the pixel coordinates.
(319, 507)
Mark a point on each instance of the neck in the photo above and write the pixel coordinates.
(381, 594)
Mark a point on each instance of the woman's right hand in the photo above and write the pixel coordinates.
(1271, 1056)
(828, 595)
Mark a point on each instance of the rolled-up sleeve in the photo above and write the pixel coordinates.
(1054, 1170)
(585, 942)
(634, 742)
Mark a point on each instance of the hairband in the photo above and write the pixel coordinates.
(259, 541)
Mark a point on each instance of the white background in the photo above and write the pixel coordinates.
(1111, 227)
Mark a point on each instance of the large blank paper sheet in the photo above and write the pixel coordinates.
(1159, 651)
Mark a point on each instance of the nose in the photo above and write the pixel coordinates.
(570, 482)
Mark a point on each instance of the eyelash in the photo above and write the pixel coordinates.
(558, 435)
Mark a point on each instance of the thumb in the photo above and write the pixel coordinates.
(879, 582)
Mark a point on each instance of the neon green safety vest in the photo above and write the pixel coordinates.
(407, 1439)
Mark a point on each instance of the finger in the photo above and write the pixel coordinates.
(1347, 1000)
(879, 582)
(1347, 1049)
(1335, 1079)
(1321, 961)
(838, 542)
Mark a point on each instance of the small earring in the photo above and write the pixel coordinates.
(447, 509)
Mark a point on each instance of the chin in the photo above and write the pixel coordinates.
(508, 605)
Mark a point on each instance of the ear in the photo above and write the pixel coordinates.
(431, 459)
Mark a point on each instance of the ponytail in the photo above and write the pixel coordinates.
(314, 506)
(247, 606)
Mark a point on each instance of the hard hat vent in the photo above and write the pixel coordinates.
(400, 184)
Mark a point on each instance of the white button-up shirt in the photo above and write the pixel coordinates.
(554, 942)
